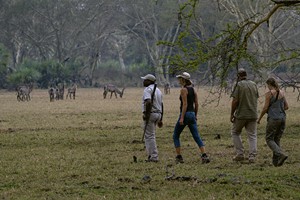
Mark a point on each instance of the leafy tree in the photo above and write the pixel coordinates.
(231, 48)
(4, 60)
(24, 76)
(151, 22)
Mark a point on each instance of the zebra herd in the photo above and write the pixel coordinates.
(57, 93)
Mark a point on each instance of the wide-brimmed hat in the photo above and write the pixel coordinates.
(149, 77)
(184, 75)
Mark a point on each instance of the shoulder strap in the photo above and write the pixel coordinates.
(152, 95)
(277, 95)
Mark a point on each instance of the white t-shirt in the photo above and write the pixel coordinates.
(157, 98)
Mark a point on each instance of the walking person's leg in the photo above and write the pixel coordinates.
(251, 129)
(192, 124)
(150, 138)
(280, 130)
(236, 131)
(176, 139)
(274, 131)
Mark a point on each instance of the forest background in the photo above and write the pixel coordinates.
(94, 42)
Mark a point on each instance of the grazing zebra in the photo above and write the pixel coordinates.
(112, 89)
(71, 91)
(23, 92)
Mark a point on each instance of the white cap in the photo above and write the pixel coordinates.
(149, 77)
(184, 75)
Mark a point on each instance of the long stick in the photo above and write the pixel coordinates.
(147, 122)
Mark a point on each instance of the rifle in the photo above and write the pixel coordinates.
(147, 120)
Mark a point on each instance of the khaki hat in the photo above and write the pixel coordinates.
(184, 75)
(149, 77)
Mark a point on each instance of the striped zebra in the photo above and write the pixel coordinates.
(59, 92)
(72, 91)
(23, 92)
(112, 89)
(51, 92)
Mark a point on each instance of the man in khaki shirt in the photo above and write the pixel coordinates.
(244, 115)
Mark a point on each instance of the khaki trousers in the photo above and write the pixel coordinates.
(150, 139)
(251, 129)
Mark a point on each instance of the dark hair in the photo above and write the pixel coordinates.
(187, 82)
(242, 72)
(272, 82)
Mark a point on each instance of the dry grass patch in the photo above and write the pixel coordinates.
(84, 148)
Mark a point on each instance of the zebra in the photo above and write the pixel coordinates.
(112, 89)
(51, 92)
(71, 91)
(23, 92)
(167, 88)
(59, 92)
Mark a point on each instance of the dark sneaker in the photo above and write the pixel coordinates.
(179, 159)
(281, 159)
(205, 158)
(238, 158)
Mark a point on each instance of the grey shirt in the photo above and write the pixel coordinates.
(276, 108)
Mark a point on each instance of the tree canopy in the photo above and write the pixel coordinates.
(119, 40)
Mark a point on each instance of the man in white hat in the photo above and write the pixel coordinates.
(152, 107)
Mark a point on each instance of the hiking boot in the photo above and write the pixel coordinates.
(238, 158)
(251, 159)
(179, 159)
(275, 160)
(205, 158)
(281, 159)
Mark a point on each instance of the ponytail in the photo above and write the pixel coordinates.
(272, 82)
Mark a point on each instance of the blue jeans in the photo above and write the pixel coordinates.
(190, 121)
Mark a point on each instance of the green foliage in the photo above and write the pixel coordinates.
(4, 60)
(24, 75)
(225, 52)
(44, 73)
(110, 65)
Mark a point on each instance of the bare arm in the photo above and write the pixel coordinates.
(196, 103)
(183, 94)
(160, 123)
(148, 105)
(266, 106)
(234, 105)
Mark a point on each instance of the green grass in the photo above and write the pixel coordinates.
(84, 149)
